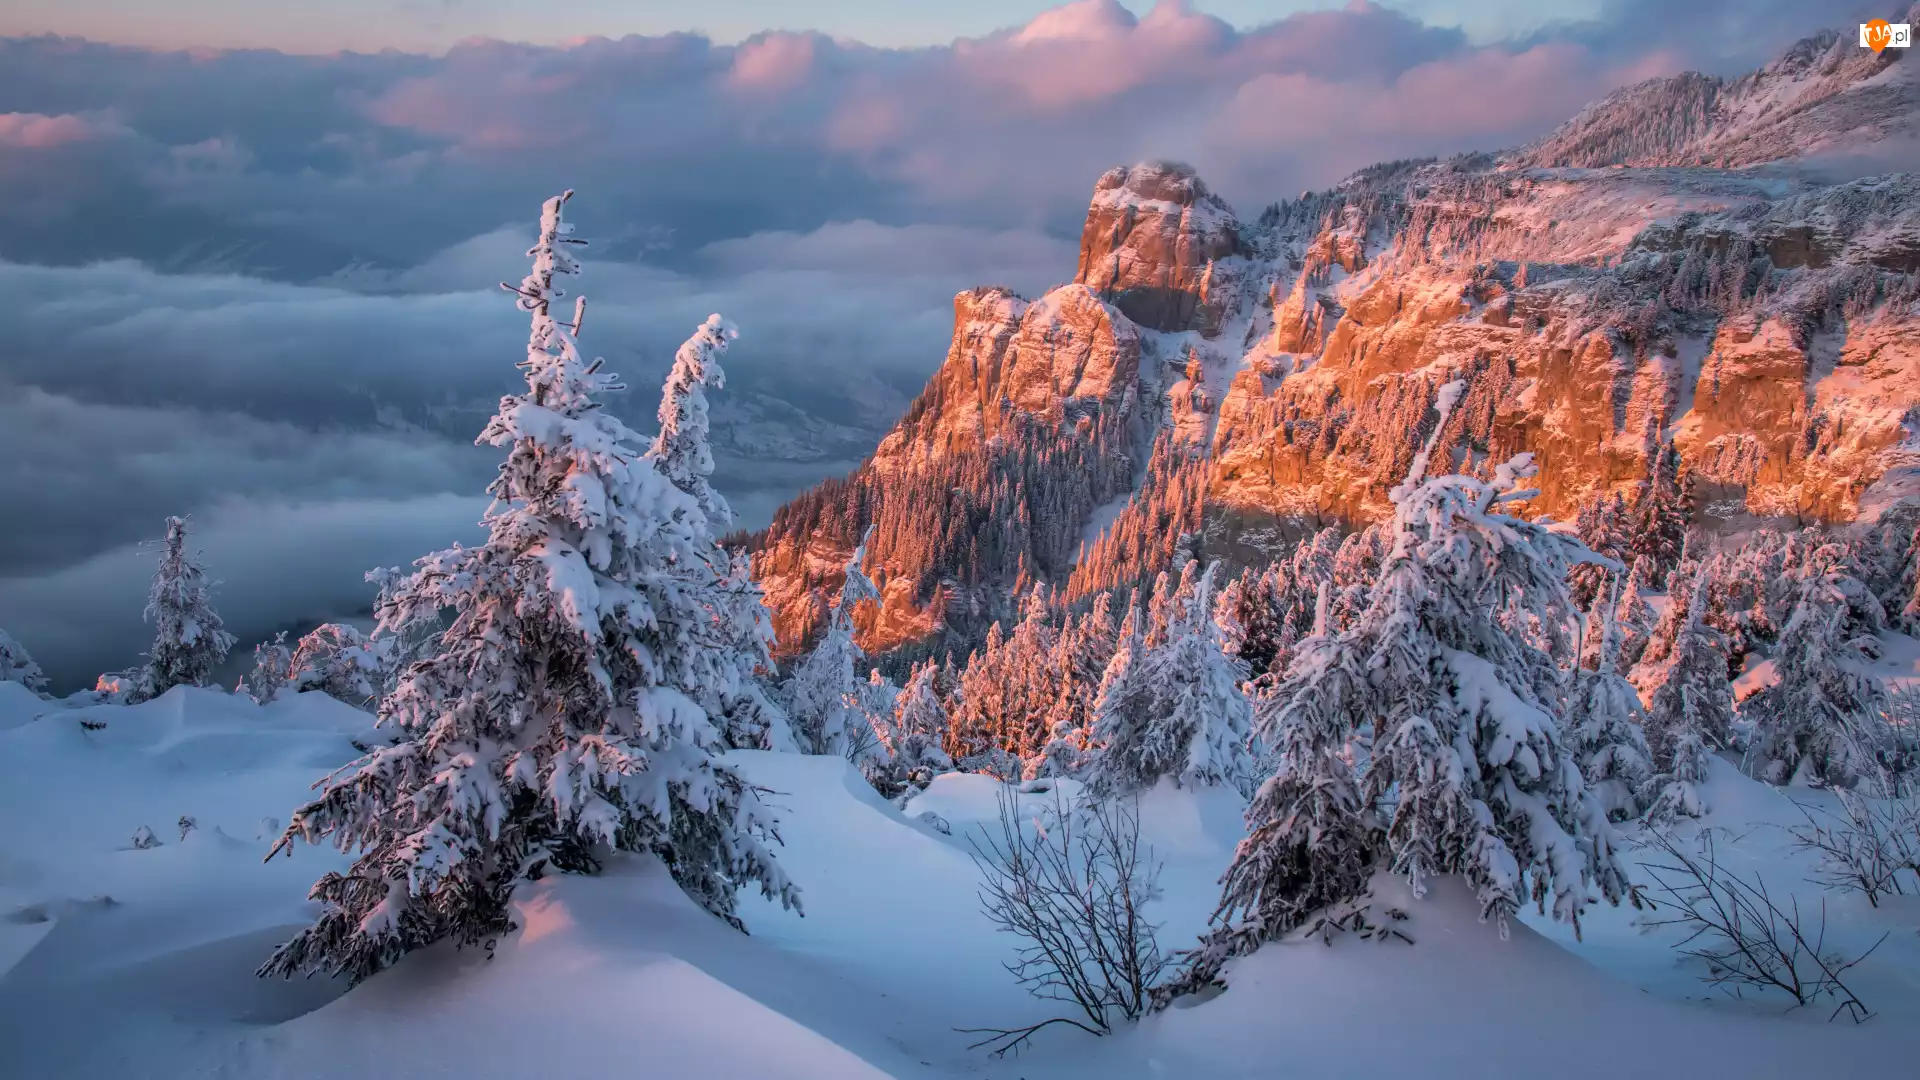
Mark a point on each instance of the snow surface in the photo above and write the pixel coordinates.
(123, 962)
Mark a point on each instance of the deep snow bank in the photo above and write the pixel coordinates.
(121, 962)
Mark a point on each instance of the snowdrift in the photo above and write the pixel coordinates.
(116, 961)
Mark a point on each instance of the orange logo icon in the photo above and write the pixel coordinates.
(1877, 34)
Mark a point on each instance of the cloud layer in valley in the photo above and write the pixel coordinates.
(258, 287)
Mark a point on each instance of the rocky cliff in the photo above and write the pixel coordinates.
(1663, 270)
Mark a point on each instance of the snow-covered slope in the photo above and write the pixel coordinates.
(123, 962)
(1823, 95)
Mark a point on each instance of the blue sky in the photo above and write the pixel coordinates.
(432, 25)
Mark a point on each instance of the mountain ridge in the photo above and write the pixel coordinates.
(1650, 274)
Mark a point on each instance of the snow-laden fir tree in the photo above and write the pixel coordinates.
(976, 699)
(1081, 654)
(1810, 717)
(188, 640)
(752, 718)
(1605, 526)
(1177, 709)
(825, 690)
(1605, 727)
(1254, 620)
(1036, 682)
(914, 737)
(1689, 716)
(1635, 618)
(875, 702)
(557, 717)
(1480, 781)
(272, 667)
(1664, 634)
(338, 661)
(1312, 842)
(1121, 713)
(1204, 718)
(1067, 752)
(748, 716)
(17, 666)
(684, 448)
(399, 647)
(1659, 517)
(1011, 689)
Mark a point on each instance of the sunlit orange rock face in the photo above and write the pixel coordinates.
(1018, 370)
(1153, 236)
(1057, 358)
(1604, 293)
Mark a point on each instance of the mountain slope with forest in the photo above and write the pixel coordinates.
(1659, 272)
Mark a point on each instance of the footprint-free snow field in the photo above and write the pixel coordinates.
(125, 961)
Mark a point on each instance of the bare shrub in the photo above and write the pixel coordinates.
(862, 743)
(1071, 887)
(1748, 940)
(1873, 840)
(1866, 846)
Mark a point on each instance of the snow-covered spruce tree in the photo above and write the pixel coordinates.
(1182, 712)
(1204, 718)
(338, 661)
(914, 737)
(17, 666)
(1312, 843)
(1636, 619)
(976, 701)
(1480, 781)
(868, 744)
(1605, 526)
(398, 647)
(1689, 716)
(1081, 654)
(684, 449)
(188, 641)
(272, 668)
(1605, 728)
(1809, 716)
(558, 715)
(1121, 714)
(1036, 681)
(1660, 516)
(748, 715)
(1662, 637)
(824, 692)
(1253, 620)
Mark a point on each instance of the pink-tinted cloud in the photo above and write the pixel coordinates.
(788, 131)
(1478, 98)
(34, 131)
(773, 63)
(1011, 128)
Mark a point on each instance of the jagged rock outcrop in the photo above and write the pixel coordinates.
(1152, 238)
(1057, 360)
(1764, 323)
(1034, 420)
